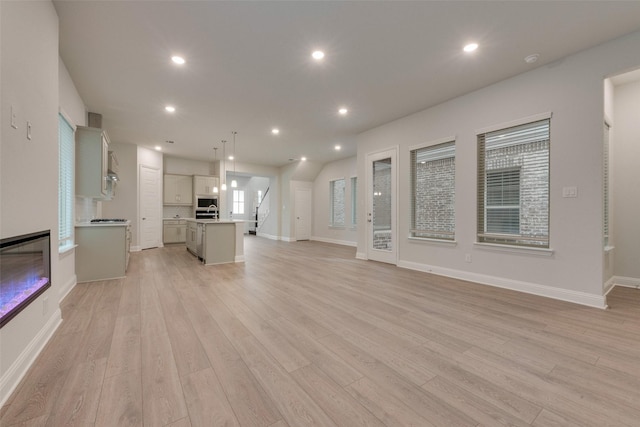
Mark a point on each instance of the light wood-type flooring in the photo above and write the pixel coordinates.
(303, 334)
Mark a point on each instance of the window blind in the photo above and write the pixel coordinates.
(336, 195)
(513, 185)
(354, 193)
(433, 191)
(66, 160)
(606, 194)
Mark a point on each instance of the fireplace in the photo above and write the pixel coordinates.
(25, 272)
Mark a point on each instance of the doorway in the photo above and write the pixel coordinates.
(302, 211)
(150, 224)
(382, 206)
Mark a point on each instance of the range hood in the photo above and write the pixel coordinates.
(95, 121)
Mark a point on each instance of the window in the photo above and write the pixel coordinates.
(606, 195)
(513, 185)
(354, 191)
(433, 191)
(66, 187)
(336, 195)
(238, 202)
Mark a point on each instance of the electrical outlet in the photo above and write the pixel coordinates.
(467, 258)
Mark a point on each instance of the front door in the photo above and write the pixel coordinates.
(381, 206)
(150, 224)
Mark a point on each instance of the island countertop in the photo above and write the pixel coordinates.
(214, 221)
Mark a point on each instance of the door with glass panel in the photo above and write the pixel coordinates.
(381, 206)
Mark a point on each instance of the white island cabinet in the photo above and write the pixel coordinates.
(216, 242)
(103, 250)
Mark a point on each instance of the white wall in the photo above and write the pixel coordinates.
(608, 257)
(151, 159)
(180, 166)
(29, 82)
(570, 88)
(347, 235)
(626, 183)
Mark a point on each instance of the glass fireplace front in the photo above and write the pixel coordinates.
(25, 272)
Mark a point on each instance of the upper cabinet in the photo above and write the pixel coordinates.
(178, 190)
(203, 185)
(92, 156)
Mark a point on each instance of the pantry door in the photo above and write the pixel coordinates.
(150, 208)
(382, 206)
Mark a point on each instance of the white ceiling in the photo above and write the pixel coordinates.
(249, 66)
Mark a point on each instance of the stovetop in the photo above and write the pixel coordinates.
(108, 220)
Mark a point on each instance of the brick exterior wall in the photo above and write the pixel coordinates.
(435, 193)
(533, 162)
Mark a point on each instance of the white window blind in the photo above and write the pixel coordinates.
(354, 194)
(337, 202)
(66, 189)
(433, 171)
(513, 185)
(606, 185)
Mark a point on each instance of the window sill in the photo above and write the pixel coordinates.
(543, 252)
(337, 227)
(63, 251)
(609, 249)
(428, 240)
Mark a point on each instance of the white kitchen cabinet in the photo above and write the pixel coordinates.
(178, 190)
(203, 185)
(192, 232)
(102, 252)
(92, 157)
(174, 231)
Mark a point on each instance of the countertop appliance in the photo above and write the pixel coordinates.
(200, 241)
(206, 207)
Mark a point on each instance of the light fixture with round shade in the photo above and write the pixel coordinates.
(215, 161)
(234, 183)
(343, 111)
(223, 173)
(337, 148)
(318, 55)
(303, 159)
(170, 109)
(158, 148)
(178, 60)
(470, 47)
(275, 131)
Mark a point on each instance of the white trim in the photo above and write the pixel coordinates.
(523, 250)
(608, 286)
(135, 249)
(627, 282)
(583, 298)
(428, 240)
(335, 241)
(337, 227)
(65, 250)
(517, 122)
(67, 118)
(268, 236)
(361, 255)
(239, 258)
(68, 287)
(608, 249)
(433, 142)
(288, 239)
(19, 368)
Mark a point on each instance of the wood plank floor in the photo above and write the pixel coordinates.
(303, 334)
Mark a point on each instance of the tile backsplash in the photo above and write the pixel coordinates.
(180, 211)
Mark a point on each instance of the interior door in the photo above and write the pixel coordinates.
(382, 206)
(150, 221)
(302, 211)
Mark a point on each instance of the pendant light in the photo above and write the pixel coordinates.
(224, 159)
(234, 183)
(215, 160)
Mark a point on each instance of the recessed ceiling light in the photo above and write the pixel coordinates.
(337, 147)
(470, 47)
(230, 157)
(318, 55)
(343, 111)
(170, 108)
(275, 131)
(178, 60)
(304, 159)
(158, 148)
(532, 58)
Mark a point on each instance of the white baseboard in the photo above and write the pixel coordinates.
(608, 286)
(19, 368)
(239, 258)
(583, 298)
(135, 249)
(335, 241)
(627, 282)
(267, 236)
(288, 239)
(361, 255)
(68, 287)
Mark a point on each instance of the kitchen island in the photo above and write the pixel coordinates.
(216, 241)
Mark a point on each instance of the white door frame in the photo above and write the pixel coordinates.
(391, 256)
(297, 213)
